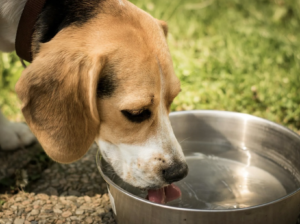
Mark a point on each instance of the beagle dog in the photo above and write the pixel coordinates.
(101, 71)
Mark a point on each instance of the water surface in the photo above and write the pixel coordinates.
(221, 177)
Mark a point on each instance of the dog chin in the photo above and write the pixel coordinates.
(136, 180)
(128, 169)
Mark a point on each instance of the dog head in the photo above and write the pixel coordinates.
(109, 80)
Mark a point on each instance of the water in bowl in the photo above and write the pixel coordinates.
(221, 177)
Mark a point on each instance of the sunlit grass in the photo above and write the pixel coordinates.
(10, 71)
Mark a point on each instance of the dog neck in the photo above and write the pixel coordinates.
(10, 14)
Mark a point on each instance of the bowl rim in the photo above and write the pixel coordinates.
(110, 182)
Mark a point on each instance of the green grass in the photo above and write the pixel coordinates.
(10, 71)
(229, 55)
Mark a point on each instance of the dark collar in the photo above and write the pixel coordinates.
(25, 30)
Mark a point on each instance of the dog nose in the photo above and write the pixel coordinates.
(175, 173)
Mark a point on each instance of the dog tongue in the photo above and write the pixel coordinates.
(164, 195)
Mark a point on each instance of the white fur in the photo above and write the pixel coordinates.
(10, 14)
(12, 135)
(121, 2)
(123, 158)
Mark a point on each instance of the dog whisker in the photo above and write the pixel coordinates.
(184, 140)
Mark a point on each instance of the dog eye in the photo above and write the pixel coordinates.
(136, 116)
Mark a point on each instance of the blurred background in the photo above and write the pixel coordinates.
(230, 55)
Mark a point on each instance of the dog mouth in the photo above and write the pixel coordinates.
(164, 194)
(161, 194)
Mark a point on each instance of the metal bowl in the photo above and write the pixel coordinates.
(243, 170)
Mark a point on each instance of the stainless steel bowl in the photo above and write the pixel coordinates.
(243, 170)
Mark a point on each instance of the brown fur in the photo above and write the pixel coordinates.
(58, 89)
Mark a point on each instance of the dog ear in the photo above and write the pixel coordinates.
(58, 94)
(164, 26)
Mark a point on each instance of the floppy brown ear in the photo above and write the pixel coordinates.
(58, 93)
(164, 26)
